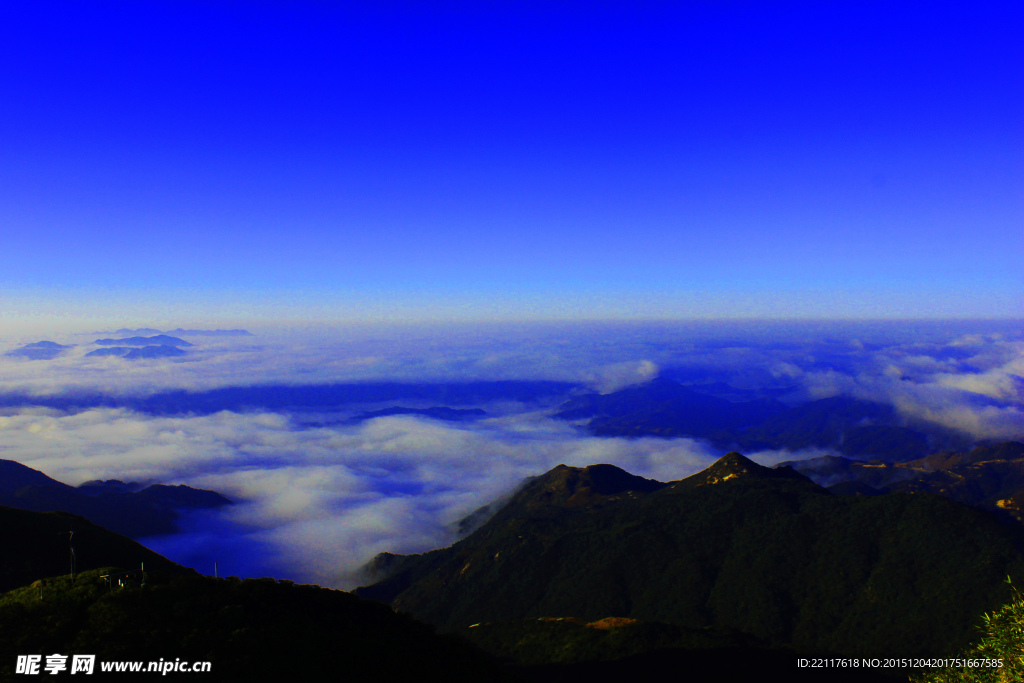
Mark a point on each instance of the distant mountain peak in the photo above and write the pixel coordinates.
(15, 476)
(734, 465)
(40, 350)
(45, 345)
(153, 351)
(578, 487)
(730, 466)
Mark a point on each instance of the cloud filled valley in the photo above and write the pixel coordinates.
(322, 500)
(319, 491)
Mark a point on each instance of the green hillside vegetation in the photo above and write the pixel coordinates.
(739, 547)
(1002, 639)
(995, 482)
(988, 477)
(257, 629)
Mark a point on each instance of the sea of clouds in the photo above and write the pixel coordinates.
(318, 493)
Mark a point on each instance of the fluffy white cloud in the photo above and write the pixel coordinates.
(322, 501)
(317, 501)
(621, 375)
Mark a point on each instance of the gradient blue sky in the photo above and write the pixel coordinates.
(168, 162)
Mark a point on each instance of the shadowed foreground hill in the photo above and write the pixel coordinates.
(996, 657)
(249, 630)
(36, 545)
(252, 630)
(739, 547)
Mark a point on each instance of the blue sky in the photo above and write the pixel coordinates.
(232, 161)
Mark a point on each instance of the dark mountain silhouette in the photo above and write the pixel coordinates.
(40, 350)
(160, 351)
(146, 331)
(475, 519)
(150, 511)
(567, 487)
(1008, 450)
(735, 465)
(142, 331)
(559, 489)
(989, 477)
(160, 339)
(251, 630)
(818, 423)
(300, 396)
(436, 413)
(128, 603)
(37, 545)
(854, 488)
(895, 444)
(724, 390)
(110, 351)
(137, 353)
(859, 429)
(754, 550)
(383, 565)
(666, 408)
(212, 333)
(829, 470)
(97, 486)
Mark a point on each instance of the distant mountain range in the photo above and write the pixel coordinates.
(40, 350)
(738, 548)
(140, 331)
(160, 339)
(303, 396)
(160, 351)
(989, 477)
(585, 573)
(111, 351)
(188, 333)
(130, 348)
(666, 408)
(141, 348)
(147, 343)
(134, 353)
(128, 509)
(435, 413)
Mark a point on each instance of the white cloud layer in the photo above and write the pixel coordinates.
(317, 499)
(322, 501)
